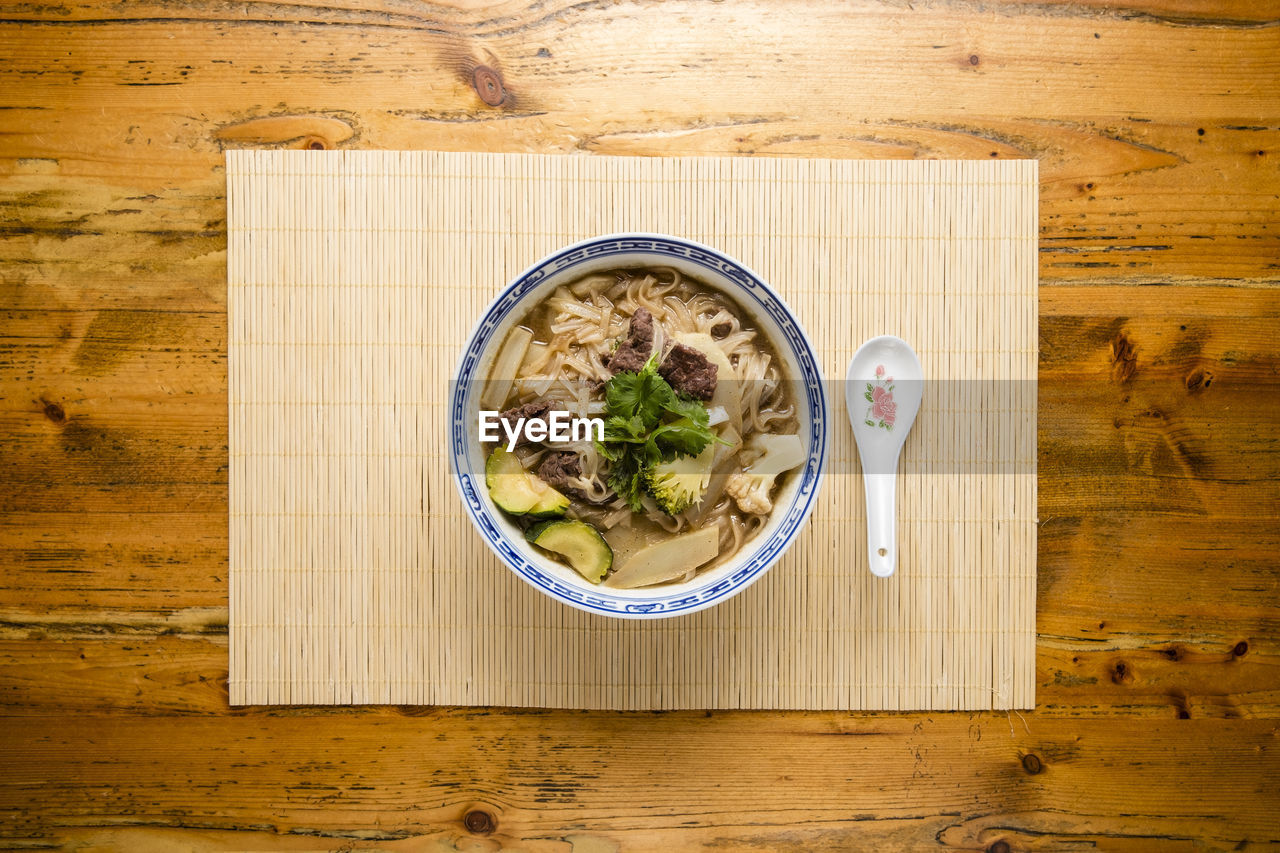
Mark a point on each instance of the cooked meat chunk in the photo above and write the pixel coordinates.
(537, 410)
(627, 358)
(642, 325)
(559, 468)
(632, 353)
(719, 330)
(689, 372)
(529, 411)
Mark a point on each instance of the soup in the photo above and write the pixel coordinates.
(696, 427)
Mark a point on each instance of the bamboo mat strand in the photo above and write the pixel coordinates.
(353, 279)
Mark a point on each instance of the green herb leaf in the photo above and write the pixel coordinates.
(625, 478)
(645, 394)
(631, 430)
(691, 410)
(647, 423)
(682, 437)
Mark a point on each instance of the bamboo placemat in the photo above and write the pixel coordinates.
(353, 279)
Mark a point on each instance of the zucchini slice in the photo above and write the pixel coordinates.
(517, 491)
(578, 543)
(551, 503)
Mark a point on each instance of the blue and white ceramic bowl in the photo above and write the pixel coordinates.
(791, 506)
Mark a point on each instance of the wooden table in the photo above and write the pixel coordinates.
(1157, 127)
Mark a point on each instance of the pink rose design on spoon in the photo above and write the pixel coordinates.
(882, 405)
(883, 410)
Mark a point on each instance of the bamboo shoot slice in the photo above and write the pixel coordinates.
(505, 367)
(668, 559)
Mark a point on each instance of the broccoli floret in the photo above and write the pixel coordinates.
(680, 483)
(777, 454)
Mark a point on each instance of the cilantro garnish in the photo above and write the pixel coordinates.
(647, 423)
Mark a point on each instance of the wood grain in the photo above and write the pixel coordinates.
(593, 781)
(1183, 184)
(1158, 535)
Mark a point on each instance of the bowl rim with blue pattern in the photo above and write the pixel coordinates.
(793, 503)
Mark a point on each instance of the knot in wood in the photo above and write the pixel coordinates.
(1124, 360)
(479, 822)
(1198, 379)
(488, 85)
(54, 412)
(1121, 674)
(1031, 763)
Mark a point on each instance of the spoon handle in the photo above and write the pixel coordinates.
(882, 534)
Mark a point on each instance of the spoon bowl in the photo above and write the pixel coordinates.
(883, 389)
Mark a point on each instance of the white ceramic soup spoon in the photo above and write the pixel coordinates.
(882, 392)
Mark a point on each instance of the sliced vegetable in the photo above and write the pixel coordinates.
(551, 503)
(668, 559)
(681, 483)
(504, 368)
(509, 483)
(625, 540)
(580, 544)
(517, 491)
(720, 469)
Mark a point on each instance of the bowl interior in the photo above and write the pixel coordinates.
(791, 504)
